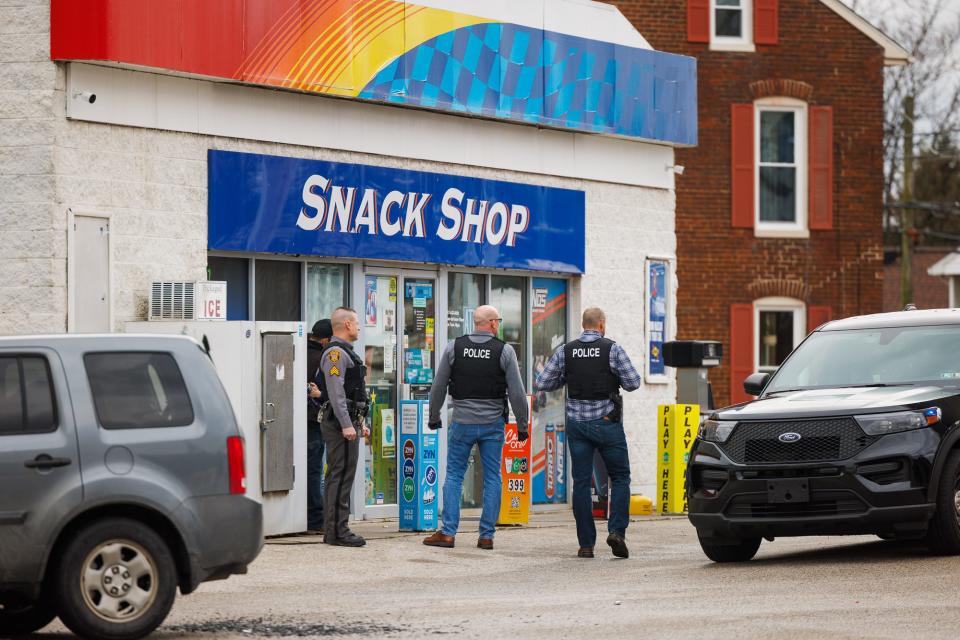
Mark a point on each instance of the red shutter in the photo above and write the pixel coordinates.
(821, 168)
(698, 20)
(741, 350)
(816, 316)
(766, 21)
(741, 162)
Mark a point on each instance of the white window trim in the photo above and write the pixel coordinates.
(799, 310)
(799, 228)
(724, 43)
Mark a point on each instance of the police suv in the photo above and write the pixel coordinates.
(857, 432)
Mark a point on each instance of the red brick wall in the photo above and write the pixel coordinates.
(929, 292)
(719, 265)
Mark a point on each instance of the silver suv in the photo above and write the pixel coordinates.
(121, 478)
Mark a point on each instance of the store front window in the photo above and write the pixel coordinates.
(277, 290)
(236, 273)
(326, 290)
(548, 331)
(508, 295)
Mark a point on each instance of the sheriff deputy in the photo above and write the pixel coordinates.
(342, 421)
(594, 369)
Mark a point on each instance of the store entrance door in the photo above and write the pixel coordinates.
(398, 331)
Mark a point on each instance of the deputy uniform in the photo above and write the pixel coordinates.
(594, 369)
(480, 372)
(345, 393)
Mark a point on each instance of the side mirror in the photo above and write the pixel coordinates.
(755, 383)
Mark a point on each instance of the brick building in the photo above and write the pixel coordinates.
(779, 207)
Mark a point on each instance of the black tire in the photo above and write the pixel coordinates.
(731, 550)
(116, 580)
(943, 534)
(22, 620)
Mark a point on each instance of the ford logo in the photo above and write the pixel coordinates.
(789, 437)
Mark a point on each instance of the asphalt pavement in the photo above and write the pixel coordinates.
(532, 585)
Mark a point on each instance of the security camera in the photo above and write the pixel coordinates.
(86, 96)
(679, 169)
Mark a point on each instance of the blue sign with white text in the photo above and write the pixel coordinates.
(273, 204)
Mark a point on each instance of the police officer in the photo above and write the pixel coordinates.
(594, 369)
(341, 423)
(316, 342)
(480, 372)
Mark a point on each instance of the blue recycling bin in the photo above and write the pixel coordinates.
(418, 472)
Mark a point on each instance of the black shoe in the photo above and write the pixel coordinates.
(618, 544)
(585, 552)
(351, 540)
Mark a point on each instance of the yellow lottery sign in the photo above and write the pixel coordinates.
(677, 426)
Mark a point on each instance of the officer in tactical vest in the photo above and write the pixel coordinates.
(594, 369)
(480, 372)
(342, 421)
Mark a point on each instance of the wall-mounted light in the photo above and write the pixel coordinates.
(676, 168)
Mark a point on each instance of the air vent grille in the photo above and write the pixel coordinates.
(172, 301)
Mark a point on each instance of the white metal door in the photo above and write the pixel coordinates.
(91, 274)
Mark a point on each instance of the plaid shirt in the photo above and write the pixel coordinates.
(553, 377)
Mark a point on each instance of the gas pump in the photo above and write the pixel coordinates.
(692, 358)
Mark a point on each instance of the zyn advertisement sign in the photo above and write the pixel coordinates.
(271, 204)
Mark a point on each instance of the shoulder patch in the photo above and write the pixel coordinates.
(335, 370)
(334, 356)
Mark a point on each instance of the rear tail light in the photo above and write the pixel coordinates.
(238, 473)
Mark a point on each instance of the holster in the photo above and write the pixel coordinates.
(617, 414)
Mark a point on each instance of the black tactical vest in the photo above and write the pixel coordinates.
(587, 370)
(354, 378)
(476, 372)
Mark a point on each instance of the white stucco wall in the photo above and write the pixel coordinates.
(153, 185)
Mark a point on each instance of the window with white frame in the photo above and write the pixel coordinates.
(781, 172)
(779, 326)
(731, 24)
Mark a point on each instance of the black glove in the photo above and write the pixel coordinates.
(433, 426)
(522, 435)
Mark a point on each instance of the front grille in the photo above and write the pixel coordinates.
(825, 503)
(820, 441)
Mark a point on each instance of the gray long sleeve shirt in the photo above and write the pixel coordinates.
(479, 411)
(334, 365)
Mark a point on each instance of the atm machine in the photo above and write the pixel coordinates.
(263, 367)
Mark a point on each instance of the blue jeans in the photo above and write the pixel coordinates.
(583, 438)
(460, 440)
(315, 449)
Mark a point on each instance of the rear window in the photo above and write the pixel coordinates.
(138, 390)
(26, 396)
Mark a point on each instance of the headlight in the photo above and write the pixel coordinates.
(880, 424)
(716, 430)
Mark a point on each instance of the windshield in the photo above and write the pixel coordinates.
(900, 355)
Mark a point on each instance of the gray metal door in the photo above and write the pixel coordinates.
(91, 269)
(276, 421)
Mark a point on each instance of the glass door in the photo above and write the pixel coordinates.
(379, 335)
(419, 336)
(398, 315)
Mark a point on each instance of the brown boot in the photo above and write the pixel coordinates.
(438, 539)
(485, 543)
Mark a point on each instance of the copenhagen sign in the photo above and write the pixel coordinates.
(271, 204)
